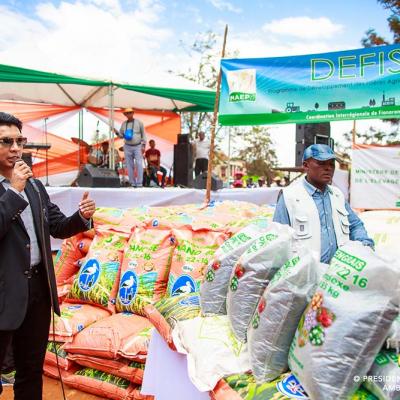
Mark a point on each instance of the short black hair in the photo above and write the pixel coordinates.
(10, 120)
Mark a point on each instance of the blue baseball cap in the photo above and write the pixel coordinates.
(320, 152)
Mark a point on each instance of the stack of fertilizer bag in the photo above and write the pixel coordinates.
(137, 268)
(328, 324)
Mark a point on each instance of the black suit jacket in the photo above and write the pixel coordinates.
(15, 248)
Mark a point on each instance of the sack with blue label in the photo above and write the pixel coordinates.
(145, 269)
(346, 323)
(285, 387)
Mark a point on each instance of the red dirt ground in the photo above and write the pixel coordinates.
(52, 391)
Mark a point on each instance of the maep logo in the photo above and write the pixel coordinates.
(242, 85)
(291, 388)
(89, 275)
(184, 284)
(128, 287)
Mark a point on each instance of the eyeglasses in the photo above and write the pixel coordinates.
(8, 142)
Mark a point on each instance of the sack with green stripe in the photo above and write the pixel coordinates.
(346, 323)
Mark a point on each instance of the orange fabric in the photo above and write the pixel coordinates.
(62, 156)
(27, 112)
(165, 125)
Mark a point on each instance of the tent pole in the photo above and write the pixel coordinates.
(111, 127)
(214, 124)
(80, 138)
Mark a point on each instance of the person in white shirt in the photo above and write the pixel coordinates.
(201, 150)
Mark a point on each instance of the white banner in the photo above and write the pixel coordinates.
(375, 177)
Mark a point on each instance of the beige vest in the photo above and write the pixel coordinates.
(304, 217)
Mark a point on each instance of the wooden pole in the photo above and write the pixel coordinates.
(214, 124)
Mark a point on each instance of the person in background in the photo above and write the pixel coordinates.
(104, 159)
(201, 151)
(318, 212)
(132, 131)
(153, 158)
(250, 184)
(28, 288)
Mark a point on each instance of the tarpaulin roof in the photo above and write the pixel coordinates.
(21, 84)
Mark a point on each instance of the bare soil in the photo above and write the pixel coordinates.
(52, 391)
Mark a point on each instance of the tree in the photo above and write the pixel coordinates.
(258, 153)
(205, 73)
(371, 136)
(372, 38)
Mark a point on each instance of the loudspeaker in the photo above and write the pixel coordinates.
(308, 134)
(91, 176)
(183, 165)
(183, 138)
(201, 182)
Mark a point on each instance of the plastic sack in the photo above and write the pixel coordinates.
(51, 359)
(253, 271)
(52, 371)
(108, 337)
(105, 385)
(278, 313)
(386, 366)
(214, 288)
(108, 216)
(393, 338)
(346, 323)
(69, 253)
(73, 319)
(211, 348)
(145, 269)
(245, 387)
(165, 313)
(98, 279)
(192, 254)
(84, 245)
(131, 370)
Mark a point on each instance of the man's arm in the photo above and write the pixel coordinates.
(61, 226)
(158, 159)
(121, 131)
(281, 214)
(142, 133)
(357, 229)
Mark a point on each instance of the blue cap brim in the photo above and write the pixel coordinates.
(324, 157)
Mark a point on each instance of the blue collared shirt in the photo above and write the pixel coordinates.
(328, 236)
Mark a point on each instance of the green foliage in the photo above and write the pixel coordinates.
(258, 153)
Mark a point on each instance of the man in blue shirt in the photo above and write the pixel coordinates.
(317, 211)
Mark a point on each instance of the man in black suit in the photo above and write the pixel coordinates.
(27, 281)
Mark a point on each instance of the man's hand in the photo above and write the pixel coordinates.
(87, 207)
(21, 173)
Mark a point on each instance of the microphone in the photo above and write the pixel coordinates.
(30, 180)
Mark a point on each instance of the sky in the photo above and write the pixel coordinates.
(141, 40)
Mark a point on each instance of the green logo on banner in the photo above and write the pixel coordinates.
(233, 97)
(242, 85)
